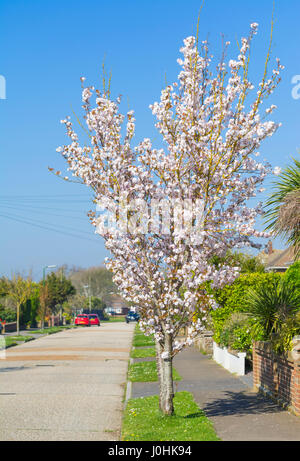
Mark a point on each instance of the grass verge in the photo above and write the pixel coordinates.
(144, 422)
(141, 340)
(9, 342)
(51, 330)
(143, 353)
(146, 372)
(15, 340)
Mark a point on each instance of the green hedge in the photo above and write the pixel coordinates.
(230, 323)
(7, 314)
(293, 274)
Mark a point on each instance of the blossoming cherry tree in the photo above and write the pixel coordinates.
(212, 128)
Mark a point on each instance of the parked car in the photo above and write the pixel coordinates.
(132, 317)
(82, 319)
(94, 319)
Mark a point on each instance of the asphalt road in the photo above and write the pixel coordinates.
(66, 386)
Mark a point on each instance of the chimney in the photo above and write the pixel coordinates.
(270, 247)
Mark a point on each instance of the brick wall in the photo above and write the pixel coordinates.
(277, 376)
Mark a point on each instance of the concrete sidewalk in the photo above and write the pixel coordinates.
(238, 413)
(66, 386)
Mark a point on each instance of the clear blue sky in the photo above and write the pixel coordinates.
(46, 46)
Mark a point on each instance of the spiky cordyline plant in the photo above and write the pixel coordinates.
(275, 310)
(211, 136)
(283, 206)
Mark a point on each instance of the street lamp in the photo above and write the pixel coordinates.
(44, 271)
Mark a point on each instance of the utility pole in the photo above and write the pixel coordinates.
(88, 294)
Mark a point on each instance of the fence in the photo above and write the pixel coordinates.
(9, 327)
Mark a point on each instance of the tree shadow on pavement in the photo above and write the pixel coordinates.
(240, 404)
(7, 369)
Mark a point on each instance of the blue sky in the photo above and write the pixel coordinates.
(46, 46)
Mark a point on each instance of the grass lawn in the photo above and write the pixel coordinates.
(114, 319)
(143, 421)
(146, 372)
(143, 352)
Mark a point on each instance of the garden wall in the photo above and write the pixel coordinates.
(277, 376)
(204, 342)
(9, 327)
(233, 361)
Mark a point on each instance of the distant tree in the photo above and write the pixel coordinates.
(75, 302)
(99, 280)
(44, 299)
(7, 314)
(19, 290)
(246, 262)
(59, 288)
(3, 286)
(96, 304)
(29, 310)
(3, 292)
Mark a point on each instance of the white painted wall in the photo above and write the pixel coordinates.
(235, 363)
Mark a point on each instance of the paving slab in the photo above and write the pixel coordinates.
(67, 386)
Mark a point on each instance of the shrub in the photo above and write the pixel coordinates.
(7, 314)
(232, 299)
(247, 263)
(293, 274)
(275, 309)
(237, 333)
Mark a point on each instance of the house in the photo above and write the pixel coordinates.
(116, 305)
(277, 260)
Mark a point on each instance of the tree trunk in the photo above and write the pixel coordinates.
(165, 376)
(43, 319)
(18, 319)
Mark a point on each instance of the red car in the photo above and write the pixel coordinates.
(94, 319)
(82, 319)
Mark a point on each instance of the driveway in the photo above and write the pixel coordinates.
(66, 386)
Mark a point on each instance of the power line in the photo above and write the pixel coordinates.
(43, 200)
(43, 195)
(48, 224)
(44, 210)
(41, 226)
